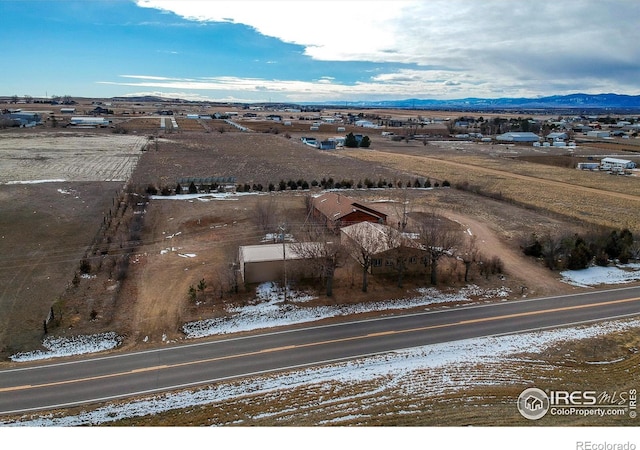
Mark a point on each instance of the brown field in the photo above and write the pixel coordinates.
(137, 283)
(591, 197)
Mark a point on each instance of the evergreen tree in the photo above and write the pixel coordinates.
(351, 141)
(580, 256)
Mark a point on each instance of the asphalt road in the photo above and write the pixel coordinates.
(63, 384)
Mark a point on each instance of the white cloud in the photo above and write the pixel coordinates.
(329, 30)
(523, 48)
(426, 32)
(384, 86)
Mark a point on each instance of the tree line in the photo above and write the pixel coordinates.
(299, 184)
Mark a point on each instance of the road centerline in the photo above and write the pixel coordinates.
(319, 343)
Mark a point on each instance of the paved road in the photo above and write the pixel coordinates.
(61, 384)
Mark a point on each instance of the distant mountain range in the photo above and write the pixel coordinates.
(570, 102)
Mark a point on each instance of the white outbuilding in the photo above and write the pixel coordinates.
(616, 164)
(89, 121)
(518, 137)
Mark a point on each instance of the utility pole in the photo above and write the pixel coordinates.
(282, 229)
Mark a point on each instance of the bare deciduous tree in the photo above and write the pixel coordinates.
(266, 212)
(363, 242)
(439, 237)
(468, 254)
(324, 252)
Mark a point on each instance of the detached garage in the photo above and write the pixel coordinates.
(261, 263)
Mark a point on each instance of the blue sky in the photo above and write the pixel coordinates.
(306, 51)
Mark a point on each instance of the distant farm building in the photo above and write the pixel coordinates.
(616, 165)
(89, 121)
(598, 134)
(25, 119)
(365, 124)
(589, 166)
(337, 211)
(518, 137)
(67, 110)
(327, 144)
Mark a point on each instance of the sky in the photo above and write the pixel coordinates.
(318, 51)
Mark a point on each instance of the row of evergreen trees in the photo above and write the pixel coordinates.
(575, 252)
(300, 184)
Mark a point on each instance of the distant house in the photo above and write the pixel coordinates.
(557, 137)
(266, 262)
(100, 110)
(385, 245)
(337, 211)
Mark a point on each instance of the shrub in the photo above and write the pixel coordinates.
(85, 266)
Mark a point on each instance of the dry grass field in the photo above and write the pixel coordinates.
(582, 196)
(144, 255)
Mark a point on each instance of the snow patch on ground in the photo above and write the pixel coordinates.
(36, 181)
(270, 311)
(69, 346)
(596, 275)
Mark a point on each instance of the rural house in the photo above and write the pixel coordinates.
(337, 211)
(386, 246)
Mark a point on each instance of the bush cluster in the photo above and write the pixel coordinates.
(575, 252)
